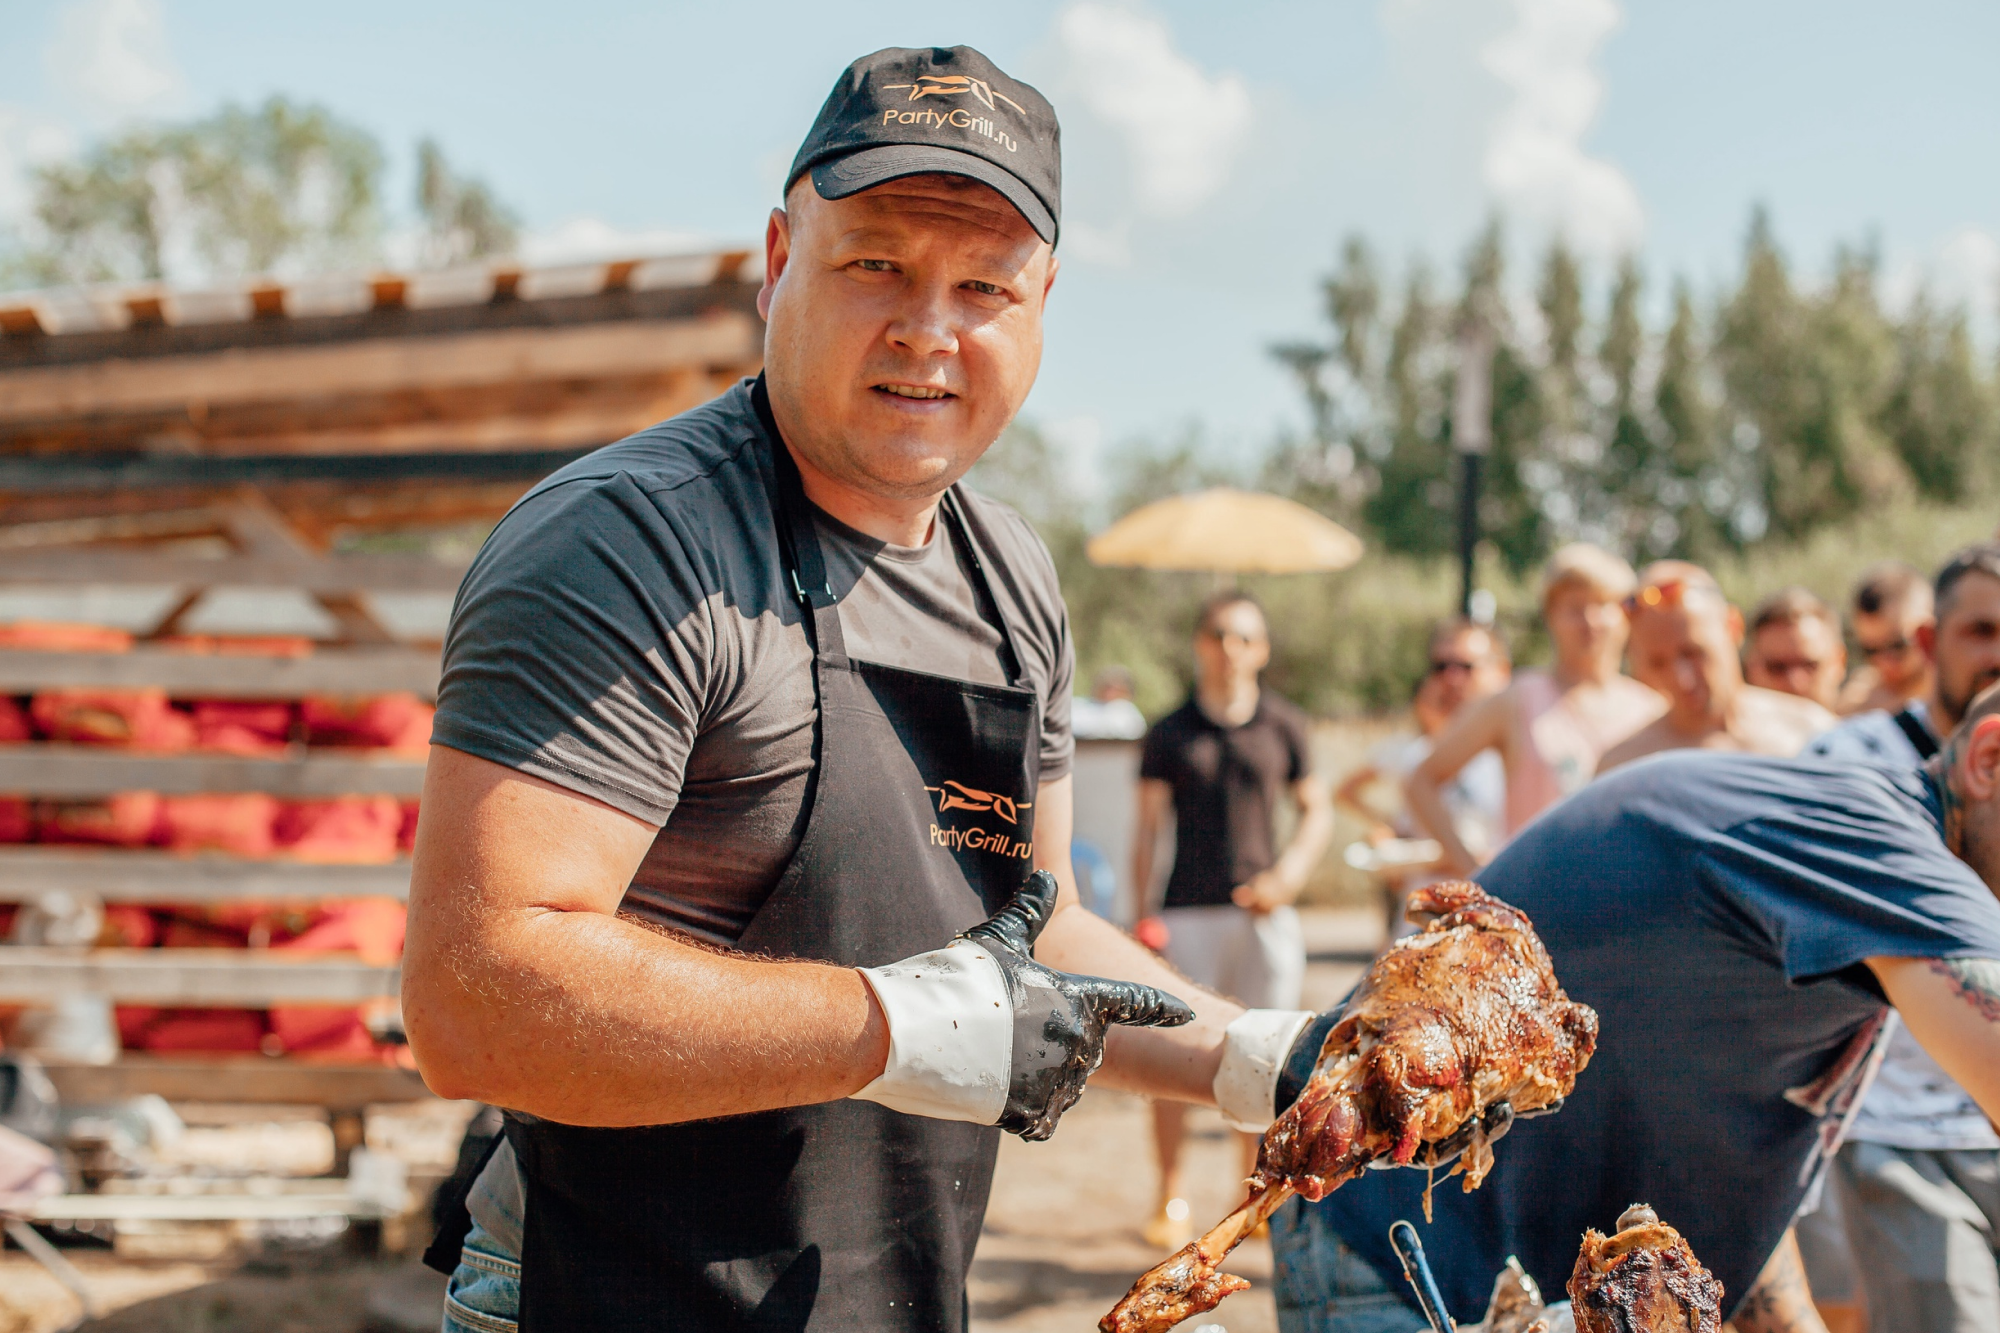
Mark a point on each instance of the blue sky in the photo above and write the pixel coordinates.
(1215, 154)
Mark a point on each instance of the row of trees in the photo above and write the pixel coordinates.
(281, 188)
(1762, 415)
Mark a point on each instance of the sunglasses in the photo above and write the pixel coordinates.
(1893, 648)
(1440, 665)
(1666, 593)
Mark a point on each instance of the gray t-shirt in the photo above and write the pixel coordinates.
(627, 633)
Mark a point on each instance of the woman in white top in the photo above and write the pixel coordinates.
(1550, 726)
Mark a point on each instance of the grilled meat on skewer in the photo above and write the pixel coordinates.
(1644, 1279)
(1453, 1032)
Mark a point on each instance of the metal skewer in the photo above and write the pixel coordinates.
(1418, 1270)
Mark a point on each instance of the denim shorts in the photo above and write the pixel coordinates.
(1324, 1287)
(484, 1295)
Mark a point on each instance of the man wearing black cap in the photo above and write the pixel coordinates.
(762, 685)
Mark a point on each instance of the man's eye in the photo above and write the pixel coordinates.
(875, 265)
(987, 288)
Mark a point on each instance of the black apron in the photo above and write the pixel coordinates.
(845, 1215)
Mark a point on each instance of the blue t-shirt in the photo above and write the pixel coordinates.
(1715, 910)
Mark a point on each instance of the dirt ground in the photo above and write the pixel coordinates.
(1061, 1241)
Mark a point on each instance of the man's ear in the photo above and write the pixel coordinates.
(1979, 761)
(777, 250)
(1925, 637)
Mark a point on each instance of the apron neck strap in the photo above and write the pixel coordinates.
(805, 565)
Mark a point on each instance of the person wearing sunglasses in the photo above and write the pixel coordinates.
(1551, 725)
(1795, 647)
(1467, 662)
(1892, 610)
(1685, 641)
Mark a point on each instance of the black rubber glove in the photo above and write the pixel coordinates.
(1059, 1019)
(1498, 1119)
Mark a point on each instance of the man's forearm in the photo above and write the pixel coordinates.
(582, 1018)
(1175, 1063)
(1952, 1008)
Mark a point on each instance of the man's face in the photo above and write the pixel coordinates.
(904, 328)
(1888, 642)
(1687, 652)
(1585, 624)
(1232, 647)
(1463, 668)
(1966, 642)
(1803, 657)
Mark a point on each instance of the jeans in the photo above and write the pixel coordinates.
(484, 1295)
(1324, 1287)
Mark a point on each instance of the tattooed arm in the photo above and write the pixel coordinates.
(1952, 1008)
(1780, 1302)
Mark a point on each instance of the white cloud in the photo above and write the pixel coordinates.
(1180, 126)
(1535, 165)
(1967, 269)
(113, 56)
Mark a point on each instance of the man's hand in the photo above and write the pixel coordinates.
(1265, 893)
(980, 1031)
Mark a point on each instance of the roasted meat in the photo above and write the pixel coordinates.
(1644, 1279)
(1454, 1031)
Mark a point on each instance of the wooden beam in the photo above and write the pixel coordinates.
(339, 573)
(249, 1079)
(222, 676)
(82, 771)
(126, 876)
(233, 1207)
(380, 365)
(205, 978)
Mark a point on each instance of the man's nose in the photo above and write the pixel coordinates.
(924, 325)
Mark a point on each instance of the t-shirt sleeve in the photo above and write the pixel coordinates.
(580, 649)
(1299, 745)
(1158, 752)
(1829, 886)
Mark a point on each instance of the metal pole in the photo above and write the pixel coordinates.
(1471, 439)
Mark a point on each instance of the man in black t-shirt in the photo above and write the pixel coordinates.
(1223, 761)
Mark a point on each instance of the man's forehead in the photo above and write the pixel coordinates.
(1976, 593)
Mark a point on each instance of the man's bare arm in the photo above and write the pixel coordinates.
(1781, 1302)
(1952, 1008)
(1153, 798)
(1177, 1063)
(523, 988)
(1482, 726)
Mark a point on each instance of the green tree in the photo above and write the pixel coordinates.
(285, 187)
(463, 219)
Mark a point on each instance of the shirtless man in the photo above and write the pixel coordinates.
(1685, 641)
(1551, 725)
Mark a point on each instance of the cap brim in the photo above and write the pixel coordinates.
(839, 177)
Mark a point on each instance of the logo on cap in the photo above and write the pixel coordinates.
(950, 85)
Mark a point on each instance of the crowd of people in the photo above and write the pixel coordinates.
(1904, 1225)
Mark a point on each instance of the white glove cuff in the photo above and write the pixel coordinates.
(1253, 1052)
(951, 1035)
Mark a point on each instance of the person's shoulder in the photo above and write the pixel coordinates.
(673, 456)
(1282, 712)
(1647, 740)
(1177, 724)
(1023, 556)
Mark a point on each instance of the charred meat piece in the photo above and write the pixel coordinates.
(1453, 1032)
(1644, 1279)
(1449, 1022)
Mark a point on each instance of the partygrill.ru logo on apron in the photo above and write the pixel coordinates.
(956, 837)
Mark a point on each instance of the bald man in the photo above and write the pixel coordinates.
(1685, 642)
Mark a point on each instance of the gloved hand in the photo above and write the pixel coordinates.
(1304, 1054)
(980, 1031)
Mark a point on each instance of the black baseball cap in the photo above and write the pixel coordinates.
(911, 112)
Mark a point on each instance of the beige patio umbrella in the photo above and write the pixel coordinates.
(1226, 531)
